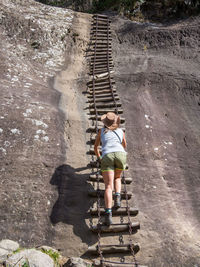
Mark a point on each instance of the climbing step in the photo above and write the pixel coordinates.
(102, 82)
(107, 263)
(101, 64)
(101, 46)
(101, 57)
(110, 249)
(105, 99)
(93, 178)
(105, 110)
(101, 92)
(101, 19)
(94, 193)
(95, 71)
(105, 105)
(90, 96)
(100, 53)
(115, 212)
(115, 228)
(100, 72)
(100, 88)
(101, 31)
(101, 38)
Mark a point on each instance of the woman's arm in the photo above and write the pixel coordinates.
(97, 144)
(124, 141)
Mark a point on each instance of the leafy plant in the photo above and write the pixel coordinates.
(53, 254)
(26, 264)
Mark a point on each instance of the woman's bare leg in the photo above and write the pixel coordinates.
(108, 178)
(117, 181)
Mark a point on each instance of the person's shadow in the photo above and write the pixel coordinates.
(73, 202)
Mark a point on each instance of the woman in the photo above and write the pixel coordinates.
(113, 160)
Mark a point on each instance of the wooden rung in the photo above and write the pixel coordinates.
(90, 96)
(101, 82)
(107, 263)
(92, 129)
(108, 52)
(100, 70)
(101, 37)
(100, 15)
(104, 65)
(100, 22)
(97, 72)
(105, 99)
(101, 88)
(96, 35)
(101, 63)
(104, 81)
(109, 249)
(94, 193)
(101, 96)
(93, 178)
(105, 110)
(106, 105)
(115, 228)
(96, 30)
(100, 42)
(102, 45)
(100, 27)
(98, 18)
(101, 92)
(102, 58)
(115, 212)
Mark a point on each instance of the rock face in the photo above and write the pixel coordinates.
(31, 123)
(43, 122)
(158, 78)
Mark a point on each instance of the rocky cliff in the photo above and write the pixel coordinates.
(43, 122)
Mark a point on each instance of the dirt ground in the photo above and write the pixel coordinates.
(43, 124)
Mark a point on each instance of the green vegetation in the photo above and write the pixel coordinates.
(26, 264)
(17, 250)
(53, 254)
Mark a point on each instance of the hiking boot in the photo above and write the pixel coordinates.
(117, 201)
(108, 218)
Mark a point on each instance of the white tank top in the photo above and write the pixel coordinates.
(111, 142)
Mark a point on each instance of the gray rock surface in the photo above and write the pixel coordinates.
(6, 247)
(77, 262)
(34, 257)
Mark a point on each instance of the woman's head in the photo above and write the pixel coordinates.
(111, 120)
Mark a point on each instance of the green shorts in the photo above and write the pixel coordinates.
(113, 161)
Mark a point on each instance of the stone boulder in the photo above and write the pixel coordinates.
(77, 262)
(33, 257)
(7, 247)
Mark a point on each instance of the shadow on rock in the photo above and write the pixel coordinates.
(73, 202)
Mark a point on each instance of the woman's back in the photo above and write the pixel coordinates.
(111, 141)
